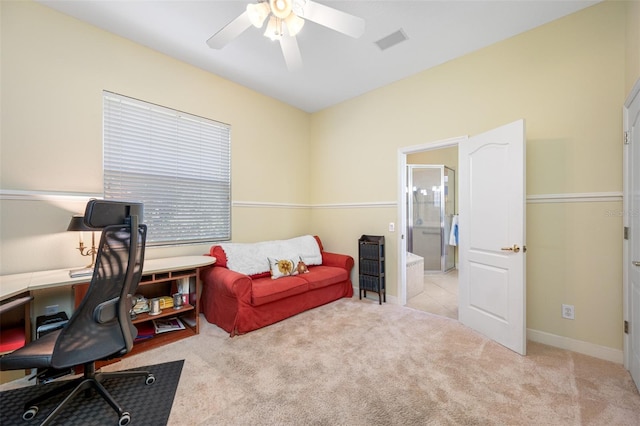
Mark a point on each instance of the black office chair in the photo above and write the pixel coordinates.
(100, 328)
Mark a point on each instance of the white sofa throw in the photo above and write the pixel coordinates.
(252, 258)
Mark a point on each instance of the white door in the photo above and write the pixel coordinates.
(492, 293)
(632, 221)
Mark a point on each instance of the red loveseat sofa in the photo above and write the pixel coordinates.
(238, 302)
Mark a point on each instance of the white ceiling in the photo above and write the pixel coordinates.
(335, 66)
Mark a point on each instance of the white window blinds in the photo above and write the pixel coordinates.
(177, 164)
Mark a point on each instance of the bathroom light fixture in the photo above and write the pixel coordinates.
(280, 13)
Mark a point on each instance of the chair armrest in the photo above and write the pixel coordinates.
(338, 260)
(229, 283)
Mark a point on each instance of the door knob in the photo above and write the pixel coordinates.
(514, 249)
(636, 263)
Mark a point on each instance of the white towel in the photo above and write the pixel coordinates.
(453, 235)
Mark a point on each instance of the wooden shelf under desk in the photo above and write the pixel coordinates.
(159, 283)
(159, 278)
(161, 340)
(165, 313)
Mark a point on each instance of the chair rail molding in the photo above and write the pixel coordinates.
(575, 197)
(11, 194)
(572, 197)
(261, 204)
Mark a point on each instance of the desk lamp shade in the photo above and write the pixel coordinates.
(77, 224)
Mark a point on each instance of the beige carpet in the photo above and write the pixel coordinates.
(357, 363)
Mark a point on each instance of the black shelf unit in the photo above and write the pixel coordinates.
(371, 266)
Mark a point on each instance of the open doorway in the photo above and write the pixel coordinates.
(431, 243)
(430, 255)
(492, 237)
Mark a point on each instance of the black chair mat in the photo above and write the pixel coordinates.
(147, 404)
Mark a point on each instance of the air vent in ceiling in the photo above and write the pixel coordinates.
(391, 40)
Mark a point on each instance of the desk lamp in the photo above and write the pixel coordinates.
(77, 224)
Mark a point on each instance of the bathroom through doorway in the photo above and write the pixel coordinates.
(431, 245)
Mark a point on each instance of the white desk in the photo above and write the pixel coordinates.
(164, 271)
(12, 285)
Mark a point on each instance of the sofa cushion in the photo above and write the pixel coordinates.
(265, 290)
(322, 276)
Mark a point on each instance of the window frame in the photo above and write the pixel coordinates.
(177, 164)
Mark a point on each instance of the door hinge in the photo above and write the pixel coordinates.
(626, 327)
(625, 232)
(627, 139)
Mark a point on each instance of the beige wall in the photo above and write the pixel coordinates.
(446, 156)
(567, 80)
(633, 44)
(54, 69)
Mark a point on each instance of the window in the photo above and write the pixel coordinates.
(177, 164)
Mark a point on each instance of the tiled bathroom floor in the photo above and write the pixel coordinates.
(440, 295)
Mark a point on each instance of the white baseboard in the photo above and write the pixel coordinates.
(586, 348)
(373, 296)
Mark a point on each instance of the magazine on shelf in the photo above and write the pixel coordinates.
(167, 324)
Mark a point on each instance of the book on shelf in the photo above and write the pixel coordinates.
(166, 302)
(183, 285)
(164, 325)
(146, 330)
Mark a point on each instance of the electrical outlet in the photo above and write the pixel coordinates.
(392, 227)
(51, 310)
(568, 312)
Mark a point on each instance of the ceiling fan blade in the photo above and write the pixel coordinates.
(291, 52)
(333, 18)
(232, 30)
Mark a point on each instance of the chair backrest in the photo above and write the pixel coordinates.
(101, 327)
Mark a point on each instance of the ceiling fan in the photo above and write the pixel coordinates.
(285, 19)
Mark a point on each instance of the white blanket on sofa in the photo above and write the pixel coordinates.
(252, 258)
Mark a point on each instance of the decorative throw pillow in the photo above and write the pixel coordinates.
(282, 267)
(301, 267)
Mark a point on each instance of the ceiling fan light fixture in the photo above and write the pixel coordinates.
(281, 8)
(274, 29)
(258, 13)
(294, 24)
(298, 6)
(286, 20)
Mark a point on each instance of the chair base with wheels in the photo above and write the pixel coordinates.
(90, 380)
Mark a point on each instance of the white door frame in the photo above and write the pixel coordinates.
(627, 216)
(402, 205)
